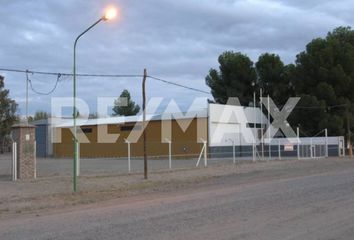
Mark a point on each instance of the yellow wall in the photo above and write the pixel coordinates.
(184, 144)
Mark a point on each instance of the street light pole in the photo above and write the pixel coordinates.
(111, 13)
(74, 105)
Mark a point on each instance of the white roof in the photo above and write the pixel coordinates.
(66, 123)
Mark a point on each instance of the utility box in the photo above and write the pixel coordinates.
(24, 136)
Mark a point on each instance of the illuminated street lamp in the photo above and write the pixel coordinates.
(110, 14)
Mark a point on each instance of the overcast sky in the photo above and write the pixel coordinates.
(175, 40)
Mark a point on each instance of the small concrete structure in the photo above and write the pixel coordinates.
(24, 136)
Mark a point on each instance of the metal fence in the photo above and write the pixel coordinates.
(172, 156)
(8, 164)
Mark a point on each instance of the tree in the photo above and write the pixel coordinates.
(234, 78)
(124, 106)
(325, 70)
(39, 115)
(93, 115)
(308, 114)
(323, 75)
(269, 69)
(274, 77)
(8, 108)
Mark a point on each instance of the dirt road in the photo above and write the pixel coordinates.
(306, 205)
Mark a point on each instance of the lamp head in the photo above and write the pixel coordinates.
(110, 14)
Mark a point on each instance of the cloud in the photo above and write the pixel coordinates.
(177, 40)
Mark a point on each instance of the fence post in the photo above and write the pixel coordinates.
(78, 158)
(254, 128)
(204, 150)
(298, 142)
(279, 149)
(311, 149)
(200, 155)
(14, 161)
(254, 152)
(35, 159)
(233, 152)
(326, 135)
(169, 153)
(129, 163)
(269, 129)
(205, 154)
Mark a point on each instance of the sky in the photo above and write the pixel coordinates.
(175, 40)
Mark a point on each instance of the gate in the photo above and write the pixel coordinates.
(312, 148)
(8, 164)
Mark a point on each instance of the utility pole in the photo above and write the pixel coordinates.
(144, 131)
(27, 79)
(262, 137)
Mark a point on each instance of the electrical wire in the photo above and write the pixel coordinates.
(319, 133)
(44, 93)
(70, 74)
(99, 75)
(178, 85)
(33, 72)
(138, 76)
(328, 107)
(304, 133)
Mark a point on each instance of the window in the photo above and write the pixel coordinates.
(130, 128)
(258, 125)
(86, 130)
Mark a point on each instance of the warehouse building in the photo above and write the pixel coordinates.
(188, 132)
(224, 128)
(185, 141)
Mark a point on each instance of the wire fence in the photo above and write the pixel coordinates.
(115, 159)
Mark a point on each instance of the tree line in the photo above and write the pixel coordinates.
(322, 75)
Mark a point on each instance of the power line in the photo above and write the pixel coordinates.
(70, 74)
(325, 107)
(136, 76)
(98, 75)
(319, 133)
(178, 85)
(44, 93)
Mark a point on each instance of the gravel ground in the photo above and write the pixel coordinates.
(55, 191)
(310, 199)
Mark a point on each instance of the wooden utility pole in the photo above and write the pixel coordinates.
(144, 126)
(27, 80)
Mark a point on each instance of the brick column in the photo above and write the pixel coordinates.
(24, 136)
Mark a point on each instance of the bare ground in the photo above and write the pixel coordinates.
(55, 193)
(307, 199)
